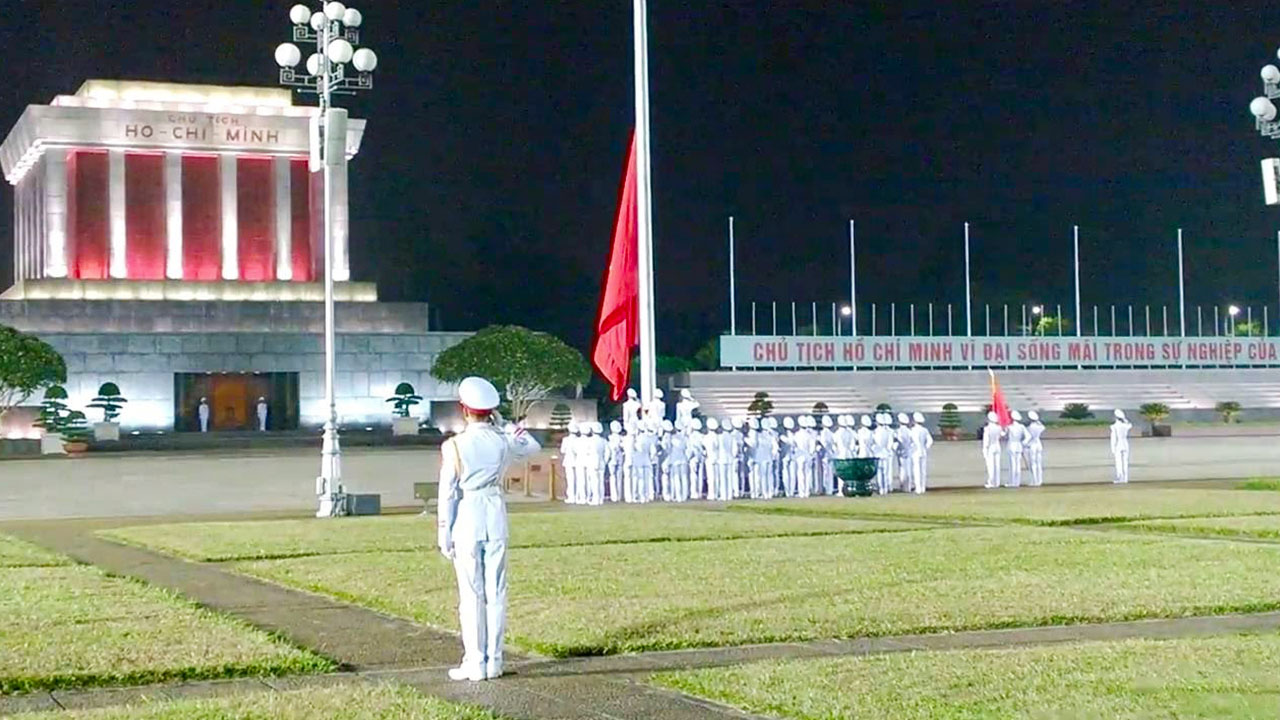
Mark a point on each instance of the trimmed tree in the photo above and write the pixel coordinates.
(1075, 411)
(1228, 409)
(109, 401)
(523, 364)
(54, 412)
(28, 365)
(1153, 413)
(561, 416)
(820, 408)
(760, 405)
(403, 400)
(949, 422)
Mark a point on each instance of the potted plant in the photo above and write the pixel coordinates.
(1075, 411)
(561, 416)
(1228, 409)
(819, 409)
(75, 433)
(1154, 413)
(949, 422)
(760, 405)
(402, 420)
(53, 416)
(110, 402)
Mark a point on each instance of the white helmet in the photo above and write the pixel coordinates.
(615, 427)
(918, 418)
(770, 423)
(753, 423)
(1119, 414)
(631, 393)
(476, 393)
(695, 425)
(866, 421)
(686, 394)
(657, 393)
(667, 426)
(713, 424)
(827, 422)
(590, 428)
(903, 418)
(1033, 416)
(789, 423)
(1017, 416)
(993, 417)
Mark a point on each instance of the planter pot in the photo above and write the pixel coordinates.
(76, 447)
(950, 433)
(106, 431)
(51, 444)
(404, 426)
(1161, 431)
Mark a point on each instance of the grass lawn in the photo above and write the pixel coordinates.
(1218, 677)
(16, 553)
(342, 702)
(1263, 527)
(577, 526)
(618, 598)
(72, 625)
(1041, 506)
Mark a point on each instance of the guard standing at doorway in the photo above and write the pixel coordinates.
(472, 524)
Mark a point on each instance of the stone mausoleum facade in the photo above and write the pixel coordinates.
(167, 238)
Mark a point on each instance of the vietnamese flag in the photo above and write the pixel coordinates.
(998, 404)
(618, 321)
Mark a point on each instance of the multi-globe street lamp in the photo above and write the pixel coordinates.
(334, 29)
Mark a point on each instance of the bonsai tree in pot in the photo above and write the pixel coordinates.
(75, 433)
(760, 405)
(1154, 413)
(54, 414)
(949, 422)
(1228, 409)
(1075, 411)
(561, 416)
(110, 402)
(820, 409)
(403, 400)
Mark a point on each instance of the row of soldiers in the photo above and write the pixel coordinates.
(760, 458)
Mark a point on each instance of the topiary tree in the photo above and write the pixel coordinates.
(1075, 411)
(760, 405)
(109, 401)
(1153, 413)
(523, 364)
(561, 416)
(1228, 409)
(53, 410)
(820, 409)
(949, 421)
(403, 400)
(27, 366)
(884, 408)
(75, 427)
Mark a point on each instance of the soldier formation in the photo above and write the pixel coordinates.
(645, 457)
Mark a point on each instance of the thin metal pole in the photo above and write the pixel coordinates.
(853, 279)
(893, 319)
(1277, 264)
(1113, 321)
(1182, 298)
(1199, 323)
(1059, 307)
(1164, 312)
(1216, 324)
(873, 319)
(774, 303)
(1075, 234)
(331, 448)
(968, 288)
(988, 316)
(794, 329)
(930, 319)
(644, 214)
(1006, 319)
(913, 319)
(951, 331)
(753, 317)
(835, 320)
(1131, 321)
(1095, 321)
(1025, 327)
(815, 318)
(1248, 318)
(1147, 308)
(733, 296)
(1266, 324)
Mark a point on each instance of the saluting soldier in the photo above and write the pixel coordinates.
(472, 524)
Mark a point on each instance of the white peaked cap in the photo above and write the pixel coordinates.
(477, 393)
(713, 424)
(696, 424)
(573, 427)
(615, 426)
(769, 423)
(589, 428)
(918, 417)
(631, 392)
(904, 418)
(1119, 413)
(1033, 415)
(788, 423)
(686, 394)
(827, 421)
(993, 417)
(657, 392)
(866, 421)
(1017, 416)
(753, 423)
(667, 426)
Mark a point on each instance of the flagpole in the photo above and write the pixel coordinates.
(853, 280)
(968, 293)
(1182, 299)
(644, 213)
(733, 296)
(1075, 236)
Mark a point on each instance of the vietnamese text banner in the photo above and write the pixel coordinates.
(747, 351)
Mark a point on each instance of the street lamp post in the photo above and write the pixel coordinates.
(334, 28)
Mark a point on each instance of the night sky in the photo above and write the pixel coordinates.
(489, 174)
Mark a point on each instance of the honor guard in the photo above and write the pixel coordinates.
(1120, 445)
(472, 524)
(991, 434)
(1035, 448)
(1015, 446)
(921, 443)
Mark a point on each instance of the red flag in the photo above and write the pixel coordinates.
(618, 321)
(998, 404)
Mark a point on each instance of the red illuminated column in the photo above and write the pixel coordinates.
(230, 217)
(146, 233)
(300, 210)
(201, 218)
(87, 214)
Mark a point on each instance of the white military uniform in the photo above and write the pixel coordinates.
(262, 414)
(1120, 446)
(902, 435)
(882, 447)
(472, 528)
(921, 442)
(572, 464)
(1035, 449)
(615, 460)
(1015, 446)
(685, 408)
(591, 453)
(631, 411)
(202, 412)
(991, 435)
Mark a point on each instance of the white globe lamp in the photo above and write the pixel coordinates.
(335, 10)
(1263, 109)
(340, 51)
(365, 60)
(352, 18)
(288, 55)
(300, 14)
(317, 21)
(314, 64)
(1270, 74)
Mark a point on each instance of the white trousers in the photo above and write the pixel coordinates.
(993, 467)
(695, 478)
(1122, 465)
(679, 481)
(615, 481)
(1035, 458)
(640, 483)
(1015, 465)
(905, 481)
(884, 473)
(482, 603)
(919, 472)
(592, 485)
(804, 476)
(573, 483)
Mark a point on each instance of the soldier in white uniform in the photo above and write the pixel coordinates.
(1015, 446)
(1035, 448)
(991, 434)
(262, 414)
(645, 459)
(592, 450)
(788, 444)
(921, 443)
(769, 479)
(882, 448)
(804, 455)
(864, 437)
(1120, 446)
(615, 460)
(675, 457)
(202, 412)
(685, 408)
(655, 411)
(697, 458)
(711, 457)
(631, 411)
(571, 464)
(902, 439)
(727, 467)
(827, 455)
(472, 524)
